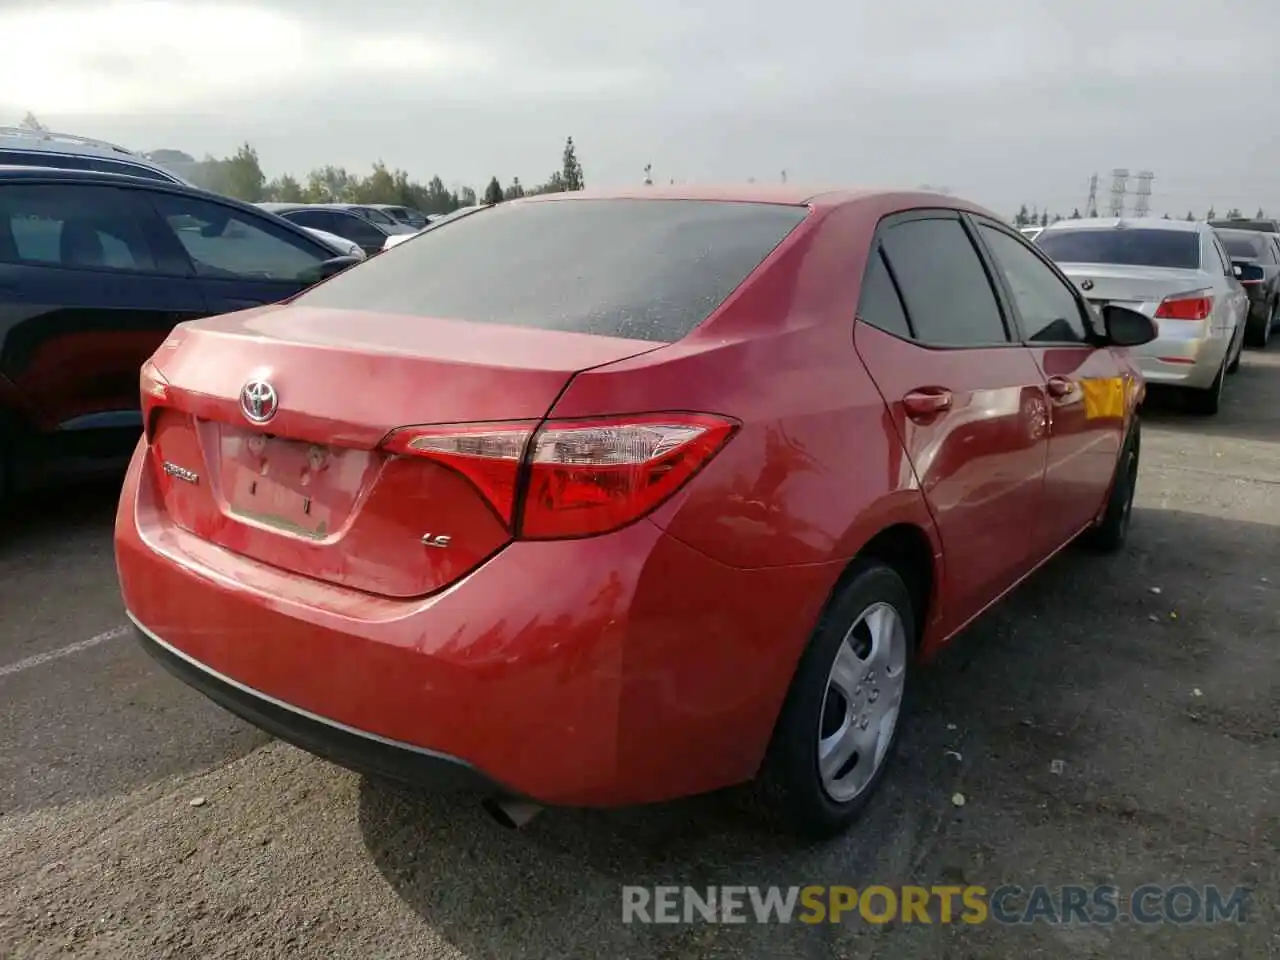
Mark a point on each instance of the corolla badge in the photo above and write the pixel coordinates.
(258, 401)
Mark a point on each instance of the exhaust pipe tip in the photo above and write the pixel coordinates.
(510, 812)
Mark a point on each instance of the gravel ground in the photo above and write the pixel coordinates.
(1163, 708)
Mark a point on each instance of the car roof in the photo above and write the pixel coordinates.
(1133, 223)
(819, 198)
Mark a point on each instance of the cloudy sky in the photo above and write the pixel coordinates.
(1002, 101)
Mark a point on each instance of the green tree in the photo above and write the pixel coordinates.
(1022, 218)
(1234, 213)
(1259, 215)
(466, 197)
(1075, 214)
(493, 192)
(286, 189)
(571, 169)
(515, 191)
(1166, 216)
(1044, 219)
(31, 122)
(1211, 215)
(1190, 217)
(240, 175)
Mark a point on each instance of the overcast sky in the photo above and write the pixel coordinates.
(1002, 101)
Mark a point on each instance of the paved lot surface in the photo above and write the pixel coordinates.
(1164, 709)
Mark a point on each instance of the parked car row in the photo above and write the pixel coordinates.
(1208, 289)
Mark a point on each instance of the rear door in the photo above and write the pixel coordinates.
(1235, 304)
(84, 301)
(240, 259)
(346, 225)
(1087, 385)
(967, 399)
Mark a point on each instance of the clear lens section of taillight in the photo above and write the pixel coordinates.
(579, 478)
(591, 477)
(151, 382)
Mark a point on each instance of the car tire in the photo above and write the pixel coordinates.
(1259, 336)
(1111, 532)
(866, 641)
(1208, 402)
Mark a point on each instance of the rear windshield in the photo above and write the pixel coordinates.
(1240, 245)
(1138, 248)
(641, 269)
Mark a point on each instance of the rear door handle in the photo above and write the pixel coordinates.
(926, 402)
(1060, 386)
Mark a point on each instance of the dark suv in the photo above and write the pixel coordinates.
(95, 270)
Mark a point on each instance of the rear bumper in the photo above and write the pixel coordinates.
(1181, 362)
(354, 749)
(605, 671)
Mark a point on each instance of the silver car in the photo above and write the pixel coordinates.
(1177, 273)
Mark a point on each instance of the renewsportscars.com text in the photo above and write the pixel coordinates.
(1007, 904)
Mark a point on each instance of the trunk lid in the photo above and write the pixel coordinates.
(1139, 288)
(309, 490)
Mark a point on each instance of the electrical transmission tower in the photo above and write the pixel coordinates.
(1119, 187)
(1142, 206)
(1091, 205)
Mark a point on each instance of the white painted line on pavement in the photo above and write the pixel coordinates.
(39, 658)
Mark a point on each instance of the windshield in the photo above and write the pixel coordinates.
(641, 269)
(1128, 247)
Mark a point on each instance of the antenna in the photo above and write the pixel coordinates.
(1142, 206)
(1091, 205)
(1119, 187)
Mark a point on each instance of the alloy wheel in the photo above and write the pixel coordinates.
(862, 702)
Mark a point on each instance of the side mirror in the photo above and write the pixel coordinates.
(329, 268)
(1247, 272)
(1128, 328)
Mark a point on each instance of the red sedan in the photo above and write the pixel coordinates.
(602, 499)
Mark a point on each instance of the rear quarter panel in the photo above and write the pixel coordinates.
(816, 469)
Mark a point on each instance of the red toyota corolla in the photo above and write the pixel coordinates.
(601, 499)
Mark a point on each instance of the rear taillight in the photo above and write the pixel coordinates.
(489, 455)
(151, 382)
(573, 478)
(1186, 306)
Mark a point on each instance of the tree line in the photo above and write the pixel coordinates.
(1042, 218)
(241, 176)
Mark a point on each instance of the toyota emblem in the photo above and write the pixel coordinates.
(258, 401)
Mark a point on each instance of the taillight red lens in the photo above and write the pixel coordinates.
(590, 477)
(487, 454)
(579, 478)
(1196, 306)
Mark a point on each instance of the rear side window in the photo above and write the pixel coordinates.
(643, 269)
(944, 284)
(878, 302)
(73, 226)
(1126, 246)
(230, 244)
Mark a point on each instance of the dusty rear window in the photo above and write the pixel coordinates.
(641, 269)
(1126, 245)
